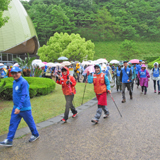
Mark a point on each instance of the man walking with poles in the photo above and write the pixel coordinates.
(125, 78)
(101, 86)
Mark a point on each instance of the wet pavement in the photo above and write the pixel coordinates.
(134, 136)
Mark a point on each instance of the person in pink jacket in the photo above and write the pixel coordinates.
(143, 76)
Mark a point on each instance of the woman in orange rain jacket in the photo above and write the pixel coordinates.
(68, 87)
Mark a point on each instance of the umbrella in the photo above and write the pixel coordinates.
(1, 67)
(90, 69)
(9, 64)
(50, 64)
(39, 64)
(44, 63)
(16, 64)
(1, 64)
(36, 61)
(63, 58)
(85, 63)
(66, 63)
(114, 62)
(134, 61)
(101, 60)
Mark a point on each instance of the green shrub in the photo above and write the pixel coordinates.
(150, 65)
(37, 86)
(150, 59)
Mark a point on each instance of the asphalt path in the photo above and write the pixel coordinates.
(134, 136)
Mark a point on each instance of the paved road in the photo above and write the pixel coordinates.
(133, 137)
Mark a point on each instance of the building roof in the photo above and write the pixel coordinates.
(18, 36)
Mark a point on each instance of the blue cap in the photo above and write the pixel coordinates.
(140, 60)
(16, 69)
(125, 61)
(129, 63)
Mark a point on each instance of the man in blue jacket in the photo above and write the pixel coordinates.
(125, 78)
(21, 108)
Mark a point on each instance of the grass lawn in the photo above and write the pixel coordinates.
(111, 50)
(45, 107)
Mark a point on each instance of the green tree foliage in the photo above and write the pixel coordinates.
(128, 50)
(96, 19)
(3, 6)
(48, 20)
(71, 46)
(106, 26)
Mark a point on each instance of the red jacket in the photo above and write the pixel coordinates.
(68, 89)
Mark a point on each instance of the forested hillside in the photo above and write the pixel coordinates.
(98, 20)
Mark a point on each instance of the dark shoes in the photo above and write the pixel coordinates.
(6, 143)
(131, 97)
(94, 121)
(123, 101)
(106, 116)
(33, 138)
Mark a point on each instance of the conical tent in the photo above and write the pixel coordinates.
(18, 35)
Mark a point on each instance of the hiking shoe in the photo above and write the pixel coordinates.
(106, 116)
(94, 121)
(6, 143)
(74, 115)
(33, 138)
(131, 97)
(154, 91)
(123, 101)
(63, 120)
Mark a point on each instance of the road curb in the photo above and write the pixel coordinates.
(23, 131)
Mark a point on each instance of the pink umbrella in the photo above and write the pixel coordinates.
(44, 63)
(90, 69)
(134, 61)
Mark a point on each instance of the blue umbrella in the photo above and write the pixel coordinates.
(63, 58)
(2, 67)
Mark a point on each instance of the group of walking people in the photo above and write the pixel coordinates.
(125, 77)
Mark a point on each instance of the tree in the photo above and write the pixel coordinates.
(3, 6)
(71, 46)
(128, 50)
(106, 25)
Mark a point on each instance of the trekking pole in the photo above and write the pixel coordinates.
(115, 105)
(84, 92)
(85, 87)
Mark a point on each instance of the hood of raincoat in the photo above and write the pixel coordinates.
(77, 65)
(65, 76)
(99, 67)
